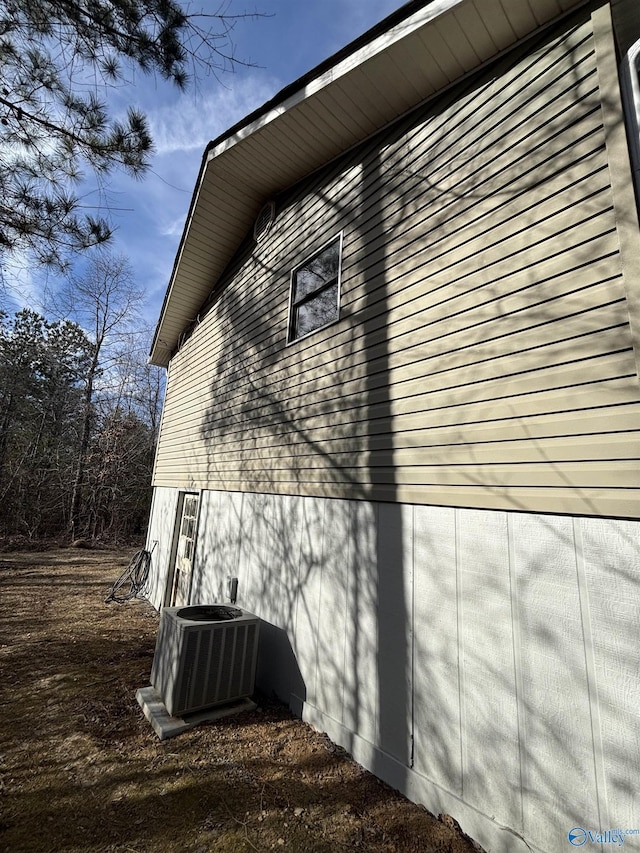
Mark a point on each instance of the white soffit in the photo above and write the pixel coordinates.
(386, 73)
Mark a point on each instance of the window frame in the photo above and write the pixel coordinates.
(291, 337)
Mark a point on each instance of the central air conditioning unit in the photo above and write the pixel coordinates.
(205, 655)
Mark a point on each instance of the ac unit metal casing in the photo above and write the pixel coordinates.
(202, 660)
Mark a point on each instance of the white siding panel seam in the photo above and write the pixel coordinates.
(460, 645)
(591, 677)
(518, 671)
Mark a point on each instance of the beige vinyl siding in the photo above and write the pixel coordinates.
(483, 355)
(406, 252)
(409, 262)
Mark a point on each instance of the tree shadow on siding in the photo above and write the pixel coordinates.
(347, 623)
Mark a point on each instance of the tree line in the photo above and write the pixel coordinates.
(79, 414)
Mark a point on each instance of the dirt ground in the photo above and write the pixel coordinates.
(81, 769)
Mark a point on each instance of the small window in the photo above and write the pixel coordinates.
(315, 291)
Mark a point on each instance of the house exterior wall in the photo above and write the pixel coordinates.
(484, 662)
(432, 504)
(486, 353)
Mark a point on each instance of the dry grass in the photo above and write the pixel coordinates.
(83, 771)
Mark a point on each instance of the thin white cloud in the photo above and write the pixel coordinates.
(193, 120)
(18, 286)
(173, 228)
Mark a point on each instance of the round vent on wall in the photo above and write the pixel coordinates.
(263, 221)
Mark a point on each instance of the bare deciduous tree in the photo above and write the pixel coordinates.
(104, 301)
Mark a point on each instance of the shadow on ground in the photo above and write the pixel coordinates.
(82, 770)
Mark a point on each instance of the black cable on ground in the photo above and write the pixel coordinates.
(131, 582)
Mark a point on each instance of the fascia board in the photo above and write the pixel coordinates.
(358, 59)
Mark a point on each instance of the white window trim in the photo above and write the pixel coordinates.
(340, 237)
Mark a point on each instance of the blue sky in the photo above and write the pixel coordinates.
(150, 214)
